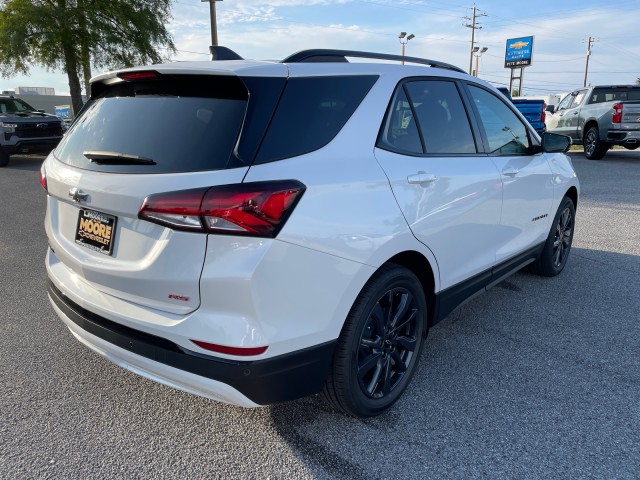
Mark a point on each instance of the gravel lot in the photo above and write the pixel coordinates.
(539, 378)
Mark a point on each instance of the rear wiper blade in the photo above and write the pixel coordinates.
(116, 158)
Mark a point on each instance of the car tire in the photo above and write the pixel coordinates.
(4, 158)
(558, 244)
(594, 148)
(380, 344)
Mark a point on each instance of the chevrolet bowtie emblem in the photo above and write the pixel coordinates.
(78, 195)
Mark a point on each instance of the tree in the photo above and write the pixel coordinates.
(73, 34)
(638, 81)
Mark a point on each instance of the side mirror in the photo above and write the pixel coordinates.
(555, 143)
(551, 109)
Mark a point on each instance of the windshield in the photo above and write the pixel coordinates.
(14, 105)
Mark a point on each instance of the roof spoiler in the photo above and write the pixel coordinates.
(223, 53)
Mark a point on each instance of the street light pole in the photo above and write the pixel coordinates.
(214, 25)
(402, 36)
(477, 52)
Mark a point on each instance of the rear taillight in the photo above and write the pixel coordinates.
(43, 177)
(617, 113)
(256, 209)
(543, 116)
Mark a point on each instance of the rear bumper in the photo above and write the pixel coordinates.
(623, 137)
(247, 383)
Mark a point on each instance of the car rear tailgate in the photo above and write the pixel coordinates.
(149, 264)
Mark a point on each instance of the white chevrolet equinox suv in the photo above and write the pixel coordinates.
(256, 232)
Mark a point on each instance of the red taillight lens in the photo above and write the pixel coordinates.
(179, 210)
(617, 113)
(543, 116)
(43, 177)
(240, 351)
(140, 75)
(257, 209)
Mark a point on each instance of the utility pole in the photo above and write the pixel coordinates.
(586, 68)
(214, 25)
(473, 26)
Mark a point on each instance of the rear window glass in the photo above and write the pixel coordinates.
(311, 113)
(600, 95)
(179, 125)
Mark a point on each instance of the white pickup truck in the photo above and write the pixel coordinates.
(599, 117)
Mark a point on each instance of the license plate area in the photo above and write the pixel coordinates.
(96, 230)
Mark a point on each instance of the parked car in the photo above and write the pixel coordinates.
(598, 118)
(297, 226)
(23, 129)
(534, 110)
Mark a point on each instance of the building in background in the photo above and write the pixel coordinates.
(44, 98)
(35, 91)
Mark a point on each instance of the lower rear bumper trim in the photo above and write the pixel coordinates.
(278, 379)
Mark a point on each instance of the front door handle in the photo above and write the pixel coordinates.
(510, 171)
(421, 178)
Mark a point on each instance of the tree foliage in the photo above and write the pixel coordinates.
(72, 35)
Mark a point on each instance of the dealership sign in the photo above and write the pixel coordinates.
(519, 52)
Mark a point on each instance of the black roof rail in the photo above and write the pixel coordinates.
(330, 55)
(223, 53)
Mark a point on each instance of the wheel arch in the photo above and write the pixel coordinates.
(419, 265)
(589, 123)
(572, 193)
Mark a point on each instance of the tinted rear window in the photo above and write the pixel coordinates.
(600, 95)
(183, 125)
(311, 113)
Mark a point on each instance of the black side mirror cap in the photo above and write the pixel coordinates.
(550, 108)
(555, 143)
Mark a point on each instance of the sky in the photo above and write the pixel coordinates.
(273, 29)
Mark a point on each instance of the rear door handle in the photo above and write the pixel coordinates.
(510, 171)
(421, 178)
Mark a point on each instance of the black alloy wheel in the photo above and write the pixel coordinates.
(558, 244)
(387, 343)
(563, 237)
(380, 344)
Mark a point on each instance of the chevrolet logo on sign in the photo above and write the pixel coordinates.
(519, 45)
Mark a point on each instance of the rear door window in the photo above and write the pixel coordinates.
(427, 117)
(180, 125)
(441, 117)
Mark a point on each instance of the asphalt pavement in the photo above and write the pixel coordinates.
(538, 378)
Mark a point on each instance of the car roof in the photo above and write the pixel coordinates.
(316, 62)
